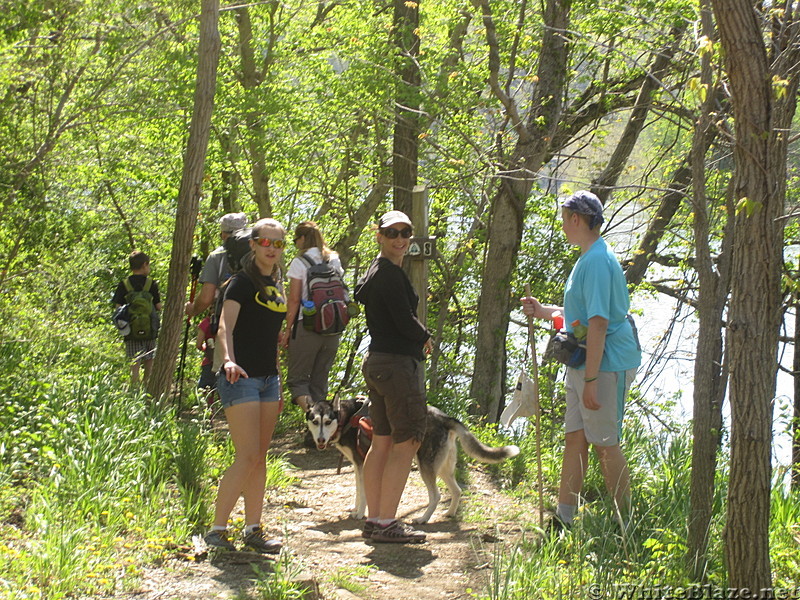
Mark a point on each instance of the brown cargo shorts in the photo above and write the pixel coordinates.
(398, 405)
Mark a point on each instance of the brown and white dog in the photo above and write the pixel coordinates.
(436, 456)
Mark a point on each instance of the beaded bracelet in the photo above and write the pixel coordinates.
(590, 379)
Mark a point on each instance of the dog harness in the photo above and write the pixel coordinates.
(362, 422)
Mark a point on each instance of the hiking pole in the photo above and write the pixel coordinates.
(538, 415)
(195, 266)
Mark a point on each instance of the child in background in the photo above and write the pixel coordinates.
(139, 351)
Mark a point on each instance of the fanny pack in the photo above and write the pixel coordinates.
(564, 347)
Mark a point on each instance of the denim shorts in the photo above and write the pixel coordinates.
(248, 389)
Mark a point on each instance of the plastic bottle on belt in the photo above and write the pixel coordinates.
(579, 330)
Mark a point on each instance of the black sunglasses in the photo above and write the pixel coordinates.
(392, 233)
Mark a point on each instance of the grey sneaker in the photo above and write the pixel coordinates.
(256, 541)
(218, 538)
(397, 533)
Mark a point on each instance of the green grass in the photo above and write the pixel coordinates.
(96, 480)
(595, 559)
(351, 578)
(281, 583)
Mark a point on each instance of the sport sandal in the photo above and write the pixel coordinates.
(369, 529)
(256, 541)
(397, 533)
(218, 538)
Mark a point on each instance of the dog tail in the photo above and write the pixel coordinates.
(477, 449)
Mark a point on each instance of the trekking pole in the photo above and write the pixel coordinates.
(195, 266)
(538, 415)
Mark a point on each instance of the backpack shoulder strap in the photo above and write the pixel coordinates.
(148, 283)
(307, 259)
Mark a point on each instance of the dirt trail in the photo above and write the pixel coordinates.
(326, 543)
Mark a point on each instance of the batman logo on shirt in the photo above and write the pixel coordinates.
(271, 298)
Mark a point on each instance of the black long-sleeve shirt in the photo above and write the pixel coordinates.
(391, 308)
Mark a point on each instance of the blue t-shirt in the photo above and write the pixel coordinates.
(597, 288)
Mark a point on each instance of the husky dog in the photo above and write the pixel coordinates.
(436, 456)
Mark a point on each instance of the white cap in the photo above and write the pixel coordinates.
(524, 402)
(393, 217)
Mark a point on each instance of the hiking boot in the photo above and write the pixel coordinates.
(397, 533)
(369, 529)
(218, 538)
(256, 541)
(556, 527)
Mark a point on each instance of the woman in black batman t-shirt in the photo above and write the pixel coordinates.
(253, 313)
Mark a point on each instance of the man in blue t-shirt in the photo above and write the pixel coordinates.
(596, 301)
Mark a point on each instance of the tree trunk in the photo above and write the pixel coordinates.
(508, 205)
(188, 200)
(754, 316)
(405, 144)
(251, 80)
(709, 373)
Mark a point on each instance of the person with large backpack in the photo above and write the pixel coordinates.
(139, 292)
(317, 313)
(216, 269)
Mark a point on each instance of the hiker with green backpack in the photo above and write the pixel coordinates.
(139, 300)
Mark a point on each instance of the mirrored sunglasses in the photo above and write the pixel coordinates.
(266, 242)
(392, 233)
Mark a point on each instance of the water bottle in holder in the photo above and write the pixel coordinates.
(309, 314)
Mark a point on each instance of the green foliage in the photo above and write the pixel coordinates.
(350, 578)
(281, 583)
(784, 532)
(95, 104)
(96, 479)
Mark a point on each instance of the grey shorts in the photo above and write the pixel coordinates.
(398, 405)
(602, 427)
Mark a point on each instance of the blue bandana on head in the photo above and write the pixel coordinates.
(586, 203)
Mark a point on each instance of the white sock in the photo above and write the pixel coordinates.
(566, 512)
(251, 528)
(219, 528)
